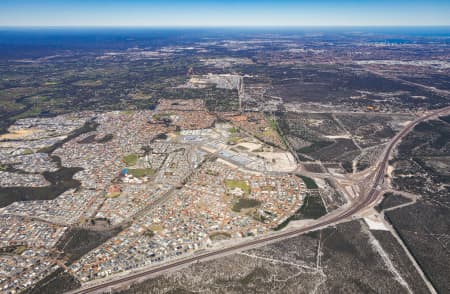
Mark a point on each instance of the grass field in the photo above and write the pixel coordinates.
(231, 184)
(233, 140)
(156, 228)
(113, 195)
(130, 159)
(141, 172)
(20, 249)
(27, 151)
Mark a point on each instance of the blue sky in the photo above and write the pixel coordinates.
(223, 13)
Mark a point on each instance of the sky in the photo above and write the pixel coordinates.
(199, 13)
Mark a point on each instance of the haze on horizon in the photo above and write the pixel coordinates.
(224, 13)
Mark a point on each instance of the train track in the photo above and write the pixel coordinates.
(363, 202)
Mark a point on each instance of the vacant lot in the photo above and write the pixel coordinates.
(318, 137)
(78, 242)
(244, 203)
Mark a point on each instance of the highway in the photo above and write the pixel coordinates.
(365, 201)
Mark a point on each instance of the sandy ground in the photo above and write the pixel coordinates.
(284, 161)
(18, 134)
(299, 223)
(404, 123)
(339, 137)
(250, 146)
(220, 160)
(375, 223)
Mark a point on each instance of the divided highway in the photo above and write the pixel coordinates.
(360, 204)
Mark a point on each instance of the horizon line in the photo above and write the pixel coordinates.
(233, 26)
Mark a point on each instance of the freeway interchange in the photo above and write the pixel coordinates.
(367, 199)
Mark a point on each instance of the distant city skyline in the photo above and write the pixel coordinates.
(224, 13)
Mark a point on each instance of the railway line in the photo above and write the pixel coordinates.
(360, 204)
